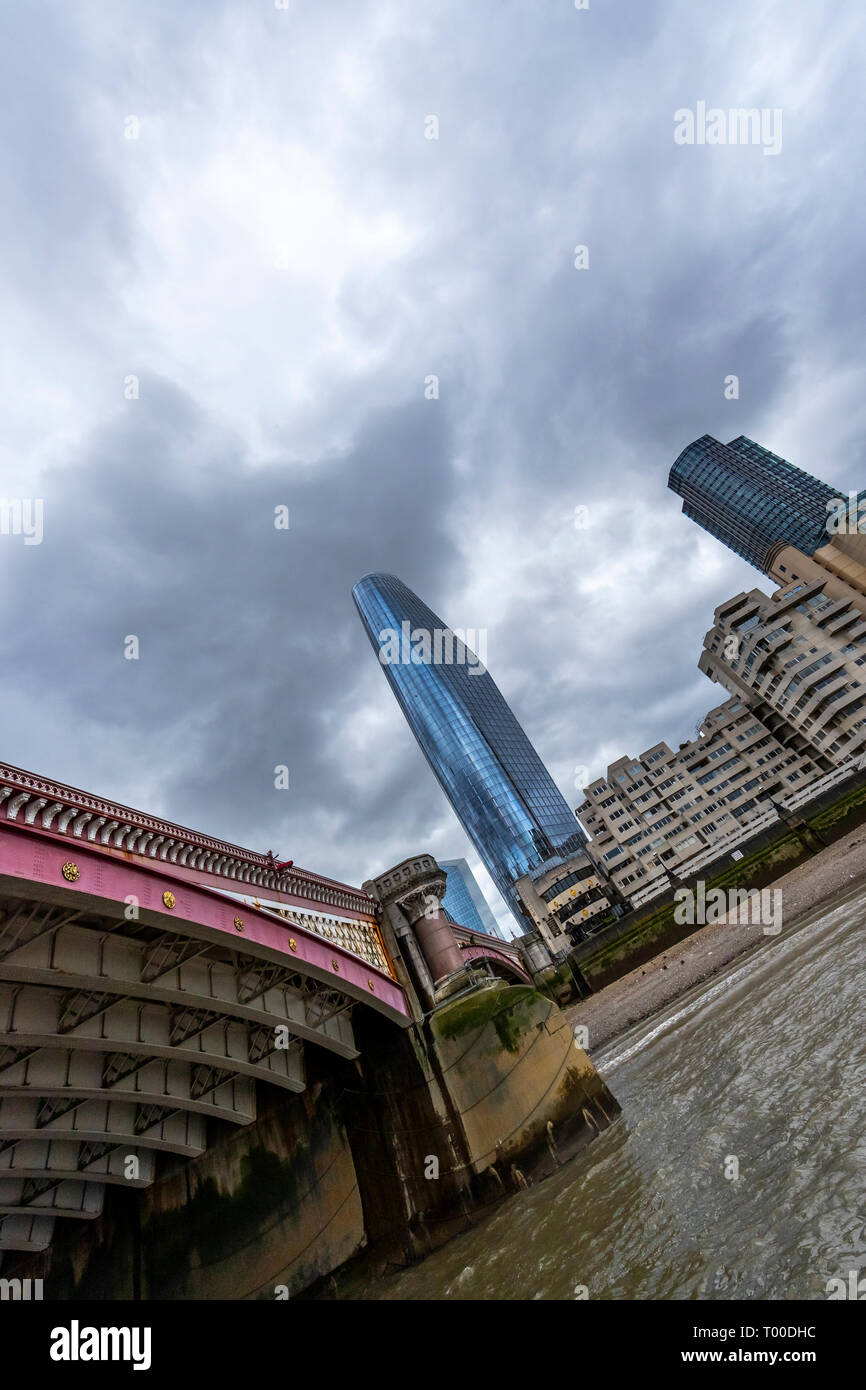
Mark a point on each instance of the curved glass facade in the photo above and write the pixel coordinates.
(750, 499)
(500, 790)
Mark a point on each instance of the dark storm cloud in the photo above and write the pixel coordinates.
(248, 638)
(404, 257)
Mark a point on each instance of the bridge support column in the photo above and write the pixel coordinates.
(412, 895)
(504, 1074)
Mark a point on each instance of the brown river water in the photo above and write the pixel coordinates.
(764, 1063)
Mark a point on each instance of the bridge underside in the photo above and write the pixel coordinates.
(122, 1028)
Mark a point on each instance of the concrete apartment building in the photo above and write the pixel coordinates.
(798, 659)
(656, 811)
(840, 566)
(794, 666)
(792, 663)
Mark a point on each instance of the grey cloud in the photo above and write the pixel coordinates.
(558, 387)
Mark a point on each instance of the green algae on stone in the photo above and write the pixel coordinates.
(504, 1008)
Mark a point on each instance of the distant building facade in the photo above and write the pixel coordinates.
(566, 900)
(794, 664)
(464, 901)
(749, 498)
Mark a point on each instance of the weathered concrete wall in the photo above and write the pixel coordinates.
(526, 1094)
(399, 1116)
(276, 1204)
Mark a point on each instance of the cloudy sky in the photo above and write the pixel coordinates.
(233, 258)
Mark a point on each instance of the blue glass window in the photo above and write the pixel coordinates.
(500, 790)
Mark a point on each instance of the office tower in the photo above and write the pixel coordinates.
(498, 787)
(464, 901)
(783, 521)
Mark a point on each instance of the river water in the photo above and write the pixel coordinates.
(766, 1063)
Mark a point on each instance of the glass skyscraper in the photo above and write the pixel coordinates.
(751, 500)
(500, 790)
(464, 901)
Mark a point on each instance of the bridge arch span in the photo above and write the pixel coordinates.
(502, 963)
(135, 1004)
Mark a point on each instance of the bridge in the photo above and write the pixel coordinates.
(502, 958)
(149, 977)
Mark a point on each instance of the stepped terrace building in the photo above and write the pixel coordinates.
(655, 812)
(799, 659)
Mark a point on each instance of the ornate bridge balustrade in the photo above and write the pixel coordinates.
(32, 800)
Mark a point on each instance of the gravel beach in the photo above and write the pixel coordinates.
(655, 984)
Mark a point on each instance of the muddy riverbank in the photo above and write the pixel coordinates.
(655, 984)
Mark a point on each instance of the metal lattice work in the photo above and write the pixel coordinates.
(27, 921)
(168, 952)
(116, 1035)
(142, 993)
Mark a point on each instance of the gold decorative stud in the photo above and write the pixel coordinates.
(168, 898)
(372, 986)
(293, 945)
(70, 871)
(239, 924)
(335, 965)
